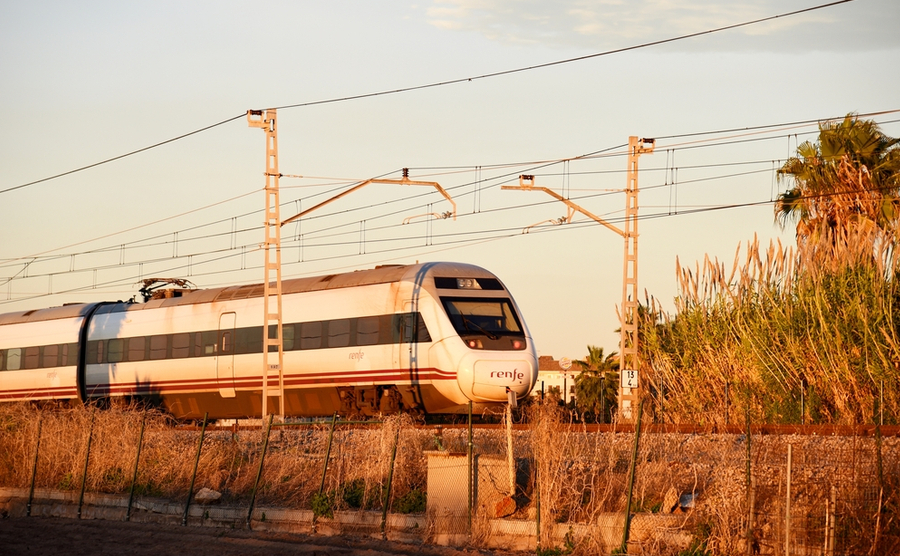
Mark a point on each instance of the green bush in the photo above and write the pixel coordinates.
(323, 505)
(413, 502)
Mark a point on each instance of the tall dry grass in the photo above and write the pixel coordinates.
(579, 476)
(228, 463)
(805, 336)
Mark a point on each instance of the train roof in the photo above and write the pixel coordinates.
(69, 311)
(384, 274)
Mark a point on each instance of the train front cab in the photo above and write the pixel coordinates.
(497, 357)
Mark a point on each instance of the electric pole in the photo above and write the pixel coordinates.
(629, 361)
(272, 292)
(272, 248)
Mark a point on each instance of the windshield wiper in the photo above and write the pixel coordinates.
(467, 322)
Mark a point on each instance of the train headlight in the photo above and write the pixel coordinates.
(518, 344)
(475, 344)
(467, 284)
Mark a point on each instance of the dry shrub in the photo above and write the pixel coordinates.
(228, 463)
(358, 467)
(581, 475)
(64, 434)
(18, 433)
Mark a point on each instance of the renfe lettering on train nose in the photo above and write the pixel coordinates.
(514, 374)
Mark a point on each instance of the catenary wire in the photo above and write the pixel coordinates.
(499, 233)
(142, 243)
(544, 165)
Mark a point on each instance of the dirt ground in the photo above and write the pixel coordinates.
(40, 536)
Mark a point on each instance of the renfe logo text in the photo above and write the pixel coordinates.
(514, 374)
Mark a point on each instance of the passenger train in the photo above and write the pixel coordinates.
(421, 338)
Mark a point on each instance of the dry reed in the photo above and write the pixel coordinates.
(791, 337)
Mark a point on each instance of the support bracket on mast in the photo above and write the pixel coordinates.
(402, 181)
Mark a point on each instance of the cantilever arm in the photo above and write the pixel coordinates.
(403, 181)
(437, 216)
(523, 186)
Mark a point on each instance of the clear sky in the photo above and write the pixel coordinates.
(88, 81)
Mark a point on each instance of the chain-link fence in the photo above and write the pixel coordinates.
(543, 484)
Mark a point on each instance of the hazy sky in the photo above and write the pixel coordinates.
(84, 82)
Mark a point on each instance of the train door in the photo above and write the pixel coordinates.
(225, 355)
(406, 355)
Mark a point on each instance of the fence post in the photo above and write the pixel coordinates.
(87, 459)
(327, 452)
(37, 449)
(880, 471)
(387, 494)
(470, 473)
(537, 503)
(830, 523)
(634, 456)
(726, 402)
(750, 490)
(510, 452)
(137, 459)
(802, 402)
(194, 474)
(262, 457)
(602, 401)
(787, 503)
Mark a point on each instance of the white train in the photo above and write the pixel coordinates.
(427, 338)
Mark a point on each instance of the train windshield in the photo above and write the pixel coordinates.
(491, 317)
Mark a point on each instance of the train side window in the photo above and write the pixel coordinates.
(248, 340)
(401, 329)
(115, 350)
(32, 357)
(90, 352)
(205, 343)
(386, 332)
(70, 354)
(339, 333)
(2, 359)
(287, 336)
(158, 347)
(181, 345)
(137, 349)
(367, 331)
(13, 359)
(98, 353)
(410, 327)
(50, 357)
(422, 334)
(209, 342)
(226, 345)
(310, 335)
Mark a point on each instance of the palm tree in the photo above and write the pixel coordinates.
(596, 387)
(849, 178)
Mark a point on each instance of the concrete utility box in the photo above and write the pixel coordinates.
(448, 492)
